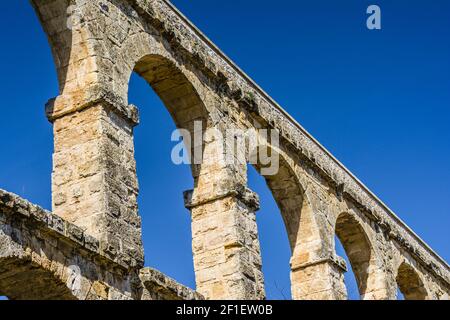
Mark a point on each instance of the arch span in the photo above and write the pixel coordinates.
(171, 90)
(366, 263)
(290, 198)
(358, 248)
(299, 220)
(177, 94)
(21, 279)
(410, 284)
(174, 89)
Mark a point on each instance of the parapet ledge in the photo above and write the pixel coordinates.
(14, 207)
(166, 288)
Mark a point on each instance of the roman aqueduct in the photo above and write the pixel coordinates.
(90, 247)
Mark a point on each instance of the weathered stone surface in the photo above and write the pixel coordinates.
(45, 257)
(95, 225)
(41, 262)
(157, 286)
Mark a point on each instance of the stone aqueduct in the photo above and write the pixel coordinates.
(90, 246)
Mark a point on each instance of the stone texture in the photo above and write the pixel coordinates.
(39, 252)
(157, 286)
(94, 178)
(95, 228)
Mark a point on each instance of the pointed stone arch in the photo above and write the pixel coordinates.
(179, 97)
(361, 254)
(410, 283)
(290, 198)
(299, 219)
(357, 247)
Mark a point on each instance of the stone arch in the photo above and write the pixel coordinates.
(299, 220)
(21, 279)
(410, 283)
(177, 89)
(26, 274)
(146, 52)
(177, 94)
(290, 198)
(174, 89)
(163, 86)
(359, 250)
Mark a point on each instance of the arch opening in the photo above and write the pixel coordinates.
(409, 283)
(174, 89)
(289, 196)
(165, 221)
(177, 93)
(297, 220)
(357, 247)
(349, 277)
(275, 246)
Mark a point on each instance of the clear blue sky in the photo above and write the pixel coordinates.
(378, 100)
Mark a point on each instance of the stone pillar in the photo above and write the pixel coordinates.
(94, 183)
(379, 286)
(226, 249)
(319, 280)
(227, 257)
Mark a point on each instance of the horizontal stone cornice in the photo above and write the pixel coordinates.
(335, 261)
(64, 105)
(244, 194)
(167, 288)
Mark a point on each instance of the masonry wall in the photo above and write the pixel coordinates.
(43, 257)
(97, 45)
(94, 179)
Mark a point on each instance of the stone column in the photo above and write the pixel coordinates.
(226, 248)
(319, 280)
(94, 183)
(380, 286)
(227, 256)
